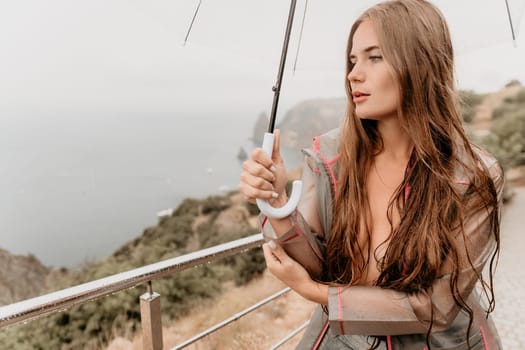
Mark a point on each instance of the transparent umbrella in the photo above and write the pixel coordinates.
(254, 29)
(317, 38)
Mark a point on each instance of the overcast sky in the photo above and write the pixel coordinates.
(120, 55)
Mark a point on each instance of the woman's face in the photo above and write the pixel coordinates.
(374, 89)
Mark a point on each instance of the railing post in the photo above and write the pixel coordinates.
(151, 320)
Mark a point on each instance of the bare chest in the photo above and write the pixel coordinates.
(382, 220)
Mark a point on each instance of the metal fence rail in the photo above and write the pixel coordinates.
(41, 306)
(289, 336)
(51, 303)
(229, 320)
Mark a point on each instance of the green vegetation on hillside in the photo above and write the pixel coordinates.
(469, 101)
(93, 324)
(507, 137)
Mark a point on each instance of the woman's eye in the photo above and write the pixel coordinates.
(376, 58)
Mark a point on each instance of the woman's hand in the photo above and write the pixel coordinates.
(293, 274)
(264, 177)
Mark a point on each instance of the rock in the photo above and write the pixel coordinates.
(120, 343)
(311, 118)
(242, 155)
(233, 219)
(21, 277)
(260, 127)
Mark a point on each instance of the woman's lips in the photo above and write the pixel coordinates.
(359, 97)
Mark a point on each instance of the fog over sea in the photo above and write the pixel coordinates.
(76, 188)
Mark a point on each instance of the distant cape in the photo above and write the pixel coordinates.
(21, 277)
(302, 122)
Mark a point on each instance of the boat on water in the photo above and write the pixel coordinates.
(165, 212)
(242, 155)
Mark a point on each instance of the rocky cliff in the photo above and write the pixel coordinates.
(21, 277)
(311, 118)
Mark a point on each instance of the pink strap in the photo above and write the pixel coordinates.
(264, 221)
(389, 342)
(321, 336)
(407, 191)
(328, 163)
(340, 309)
(298, 230)
(485, 345)
(295, 235)
(463, 182)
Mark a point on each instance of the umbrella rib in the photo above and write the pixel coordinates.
(300, 37)
(510, 22)
(191, 24)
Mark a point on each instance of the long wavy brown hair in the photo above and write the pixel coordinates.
(415, 41)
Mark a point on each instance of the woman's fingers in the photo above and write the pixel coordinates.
(261, 157)
(261, 177)
(272, 257)
(252, 193)
(257, 169)
(256, 182)
(281, 265)
(257, 179)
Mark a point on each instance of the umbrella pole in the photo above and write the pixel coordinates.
(268, 139)
(277, 87)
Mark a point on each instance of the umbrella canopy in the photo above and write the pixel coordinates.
(254, 29)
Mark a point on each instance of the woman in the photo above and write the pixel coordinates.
(400, 213)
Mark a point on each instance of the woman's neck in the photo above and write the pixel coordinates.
(397, 144)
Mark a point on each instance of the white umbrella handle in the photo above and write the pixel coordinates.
(295, 196)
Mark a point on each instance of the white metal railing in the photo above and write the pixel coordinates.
(57, 301)
(51, 303)
(229, 320)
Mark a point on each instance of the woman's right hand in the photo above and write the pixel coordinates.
(264, 177)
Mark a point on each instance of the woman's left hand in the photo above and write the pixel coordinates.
(285, 268)
(293, 274)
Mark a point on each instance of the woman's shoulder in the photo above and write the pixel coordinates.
(487, 158)
(333, 134)
(487, 162)
(327, 144)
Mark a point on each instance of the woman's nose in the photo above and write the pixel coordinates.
(356, 74)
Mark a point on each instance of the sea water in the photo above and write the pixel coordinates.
(76, 188)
